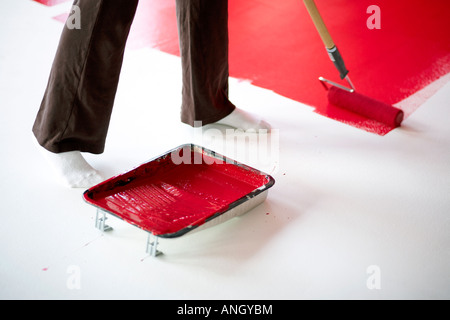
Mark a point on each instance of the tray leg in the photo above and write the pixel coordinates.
(152, 244)
(100, 219)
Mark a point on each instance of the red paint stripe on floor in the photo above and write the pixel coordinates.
(50, 3)
(61, 17)
(275, 45)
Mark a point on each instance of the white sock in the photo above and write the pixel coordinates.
(241, 119)
(72, 169)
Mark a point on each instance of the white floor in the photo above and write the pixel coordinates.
(352, 215)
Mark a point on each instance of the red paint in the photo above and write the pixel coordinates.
(165, 198)
(276, 46)
(155, 26)
(61, 17)
(50, 3)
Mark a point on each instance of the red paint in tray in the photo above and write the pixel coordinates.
(169, 198)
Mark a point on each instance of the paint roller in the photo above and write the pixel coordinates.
(345, 97)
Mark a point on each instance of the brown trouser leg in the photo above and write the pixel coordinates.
(203, 33)
(77, 105)
(78, 101)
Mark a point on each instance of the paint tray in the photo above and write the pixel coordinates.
(188, 188)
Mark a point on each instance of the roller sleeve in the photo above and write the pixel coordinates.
(365, 106)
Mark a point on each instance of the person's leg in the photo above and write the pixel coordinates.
(203, 35)
(75, 112)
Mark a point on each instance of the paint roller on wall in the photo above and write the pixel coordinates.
(342, 96)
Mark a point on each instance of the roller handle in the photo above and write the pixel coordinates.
(318, 22)
(332, 50)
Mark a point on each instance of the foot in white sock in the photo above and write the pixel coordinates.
(241, 119)
(72, 169)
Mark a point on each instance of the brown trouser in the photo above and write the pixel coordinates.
(77, 104)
